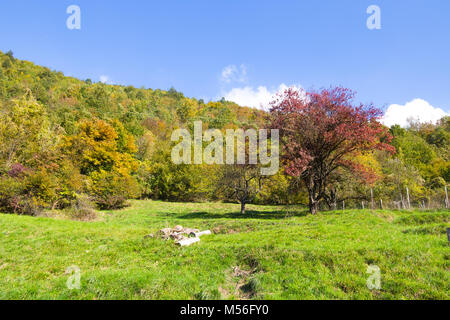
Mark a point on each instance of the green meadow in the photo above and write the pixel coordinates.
(270, 252)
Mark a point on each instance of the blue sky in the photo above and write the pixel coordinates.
(244, 49)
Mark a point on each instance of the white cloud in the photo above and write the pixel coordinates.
(233, 73)
(260, 97)
(105, 79)
(417, 109)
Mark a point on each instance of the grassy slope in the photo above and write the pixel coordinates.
(287, 255)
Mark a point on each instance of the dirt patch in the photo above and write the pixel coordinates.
(384, 215)
(241, 284)
(224, 230)
(224, 293)
(82, 216)
(232, 229)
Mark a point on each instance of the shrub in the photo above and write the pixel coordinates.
(15, 199)
(110, 190)
(42, 186)
(70, 184)
(82, 208)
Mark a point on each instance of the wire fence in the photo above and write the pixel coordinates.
(405, 201)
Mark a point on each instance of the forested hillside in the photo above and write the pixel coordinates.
(67, 142)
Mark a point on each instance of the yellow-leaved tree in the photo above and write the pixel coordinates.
(105, 154)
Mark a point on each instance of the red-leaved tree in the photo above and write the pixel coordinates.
(322, 131)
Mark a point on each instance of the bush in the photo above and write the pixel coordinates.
(27, 192)
(15, 199)
(82, 208)
(110, 190)
(42, 186)
(70, 185)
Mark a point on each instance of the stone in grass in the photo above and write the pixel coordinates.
(182, 236)
(165, 233)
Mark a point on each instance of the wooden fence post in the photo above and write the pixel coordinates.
(402, 202)
(407, 198)
(381, 204)
(371, 198)
(447, 204)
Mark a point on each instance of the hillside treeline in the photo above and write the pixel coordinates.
(65, 140)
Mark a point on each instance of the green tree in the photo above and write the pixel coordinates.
(24, 131)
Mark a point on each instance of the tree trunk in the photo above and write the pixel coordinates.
(242, 207)
(371, 199)
(333, 197)
(313, 201)
(313, 206)
(334, 206)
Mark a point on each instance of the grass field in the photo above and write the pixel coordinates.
(269, 253)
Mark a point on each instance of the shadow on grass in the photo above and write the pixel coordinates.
(250, 214)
